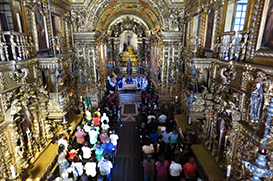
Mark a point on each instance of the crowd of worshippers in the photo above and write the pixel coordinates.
(90, 156)
(114, 83)
(161, 153)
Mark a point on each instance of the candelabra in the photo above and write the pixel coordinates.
(258, 167)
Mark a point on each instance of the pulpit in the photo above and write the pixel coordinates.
(129, 54)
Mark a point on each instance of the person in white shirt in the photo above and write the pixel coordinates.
(62, 141)
(105, 167)
(90, 169)
(104, 117)
(93, 136)
(87, 127)
(114, 139)
(86, 150)
(105, 126)
(175, 170)
(149, 118)
(162, 118)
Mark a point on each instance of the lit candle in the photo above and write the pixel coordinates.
(228, 170)
(176, 99)
(262, 150)
(220, 139)
(226, 137)
(81, 98)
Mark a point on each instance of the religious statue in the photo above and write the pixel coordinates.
(109, 66)
(129, 54)
(256, 102)
(171, 80)
(129, 67)
(148, 66)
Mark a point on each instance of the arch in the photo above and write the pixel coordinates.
(132, 17)
(103, 13)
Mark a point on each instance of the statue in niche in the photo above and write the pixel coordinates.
(256, 102)
(129, 67)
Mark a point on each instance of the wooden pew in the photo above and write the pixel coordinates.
(206, 166)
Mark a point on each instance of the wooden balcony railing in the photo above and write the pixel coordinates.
(15, 46)
(232, 45)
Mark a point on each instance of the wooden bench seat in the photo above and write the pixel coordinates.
(206, 166)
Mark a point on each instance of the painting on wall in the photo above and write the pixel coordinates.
(16, 16)
(267, 40)
(210, 22)
(41, 30)
(69, 27)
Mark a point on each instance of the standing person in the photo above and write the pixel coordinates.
(138, 83)
(103, 136)
(190, 169)
(162, 118)
(63, 141)
(62, 161)
(105, 167)
(91, 169)
(154, 136)
(143, 133)
(175, 170)
(96, 120)
(114, 139)
(93, 136)
(173, 141)
(98, 151)
(80, 134)
(86, 150)
(149, 170)
(108, 148)
(162, 168)
(144, 83)
(119, 83)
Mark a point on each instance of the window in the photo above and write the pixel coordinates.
(239, 15)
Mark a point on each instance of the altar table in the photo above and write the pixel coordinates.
(129, 87)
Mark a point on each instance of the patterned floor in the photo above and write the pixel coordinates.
(125, 115)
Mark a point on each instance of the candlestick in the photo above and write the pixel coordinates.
(220, 139)
(12, 170)
(211, 128)
(209, 122)
(228, 170)
(81, 98)
(176, 99)
(189, 120)
(226, 137)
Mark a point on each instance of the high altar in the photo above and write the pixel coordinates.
(129, 54)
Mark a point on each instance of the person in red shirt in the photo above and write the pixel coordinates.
(190, 169)
(96, 119)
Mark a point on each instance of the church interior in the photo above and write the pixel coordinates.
(210, 61)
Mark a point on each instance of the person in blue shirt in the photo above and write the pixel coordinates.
(108, 148)
(129, 80)
(154, 136)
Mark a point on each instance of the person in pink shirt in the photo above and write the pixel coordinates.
(80, 134)
(103, 136)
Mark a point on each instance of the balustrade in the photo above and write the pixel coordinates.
(15, 46)
(232, 45)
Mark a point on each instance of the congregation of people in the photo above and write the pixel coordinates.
(161, 153)
(91, 154)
